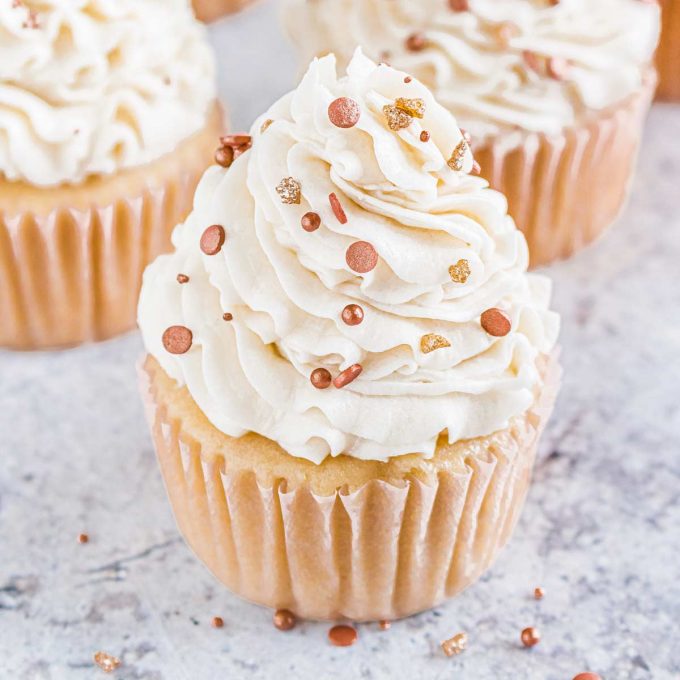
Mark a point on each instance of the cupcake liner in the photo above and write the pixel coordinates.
(383, 550)
(668, 54)
(72, 257)
(565, 190)
(211, 10)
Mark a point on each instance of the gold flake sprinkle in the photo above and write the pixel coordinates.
(106, 662)
(458, 156)
(460, 272)
(265, 125)
(289, 191)
(414, 107)
(432, 341)
(455, 645)
(396, 119)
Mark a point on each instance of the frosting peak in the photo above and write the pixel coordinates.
(358, 262)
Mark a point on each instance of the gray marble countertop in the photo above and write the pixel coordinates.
(600, 532)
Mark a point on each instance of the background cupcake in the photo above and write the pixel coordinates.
(348, 365)
(668, 54)
(553, 93)
(210, 10)
(107, 121)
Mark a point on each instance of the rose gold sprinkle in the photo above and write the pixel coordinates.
(455, 645)
(415, 42)
(361, 257)
(213, 239)
(338, 210)
(459, 5)
(558, 68)
(385, 625)
(342, 636)
(408, 79)
(177, 339)
(321, 378)
(476, 168)
(396, 119)
(460, 272)
(265, 125)
(344, 112)
(532, 60)
(432, 341)
(236, 141)
(352, 315)
(224, 156)
(424, 136)
(414, 107)
(310, 221)
(228, 316)
(539, 593)
(530, 636)
(284, 619)
(347, 376)
(217, 622)
(83, 538)
(466, 136)
(182, 278)
(496, 322)
(458, 156)
(106, 662)
(588, 676)
(289, 190)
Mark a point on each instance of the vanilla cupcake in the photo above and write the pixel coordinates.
(211, 10)
(553, 93)
(108, 119)
(668, 54)
(348, 366)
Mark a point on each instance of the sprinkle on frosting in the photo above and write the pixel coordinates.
(182, 278)
(458, 156)
(460, 272)
(177, 339)
(344, 112)
(228, 316)
(432, 341)
(321, 378)
(352, 315)
(347, 376)
(414, 107)
(310, 221)
(416, 42)
(361, 257)
(337, 208)
(265, 125)
(213, 239)
(496, 322)
(396, 118)
(289, 190)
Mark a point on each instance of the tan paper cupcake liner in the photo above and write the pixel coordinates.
(71, 258)
(565, 190)
(383, 550)
(668, 54)
(211, 10)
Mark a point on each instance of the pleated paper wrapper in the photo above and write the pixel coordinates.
(668, 54)
(564, 191)
(383, 550)
(72, 258)
(211, 10)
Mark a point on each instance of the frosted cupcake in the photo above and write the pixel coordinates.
(348, 366)
(553, 93)
(108, 119)
(668, 55)
(210, 10)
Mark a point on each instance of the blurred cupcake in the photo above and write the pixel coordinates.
(553, 93)
(668, 54)
(348, 366)
(211, 10)
(108, 118)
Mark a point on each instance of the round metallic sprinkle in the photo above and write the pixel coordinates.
(385, 625)
(321, 378)
(310, 221)
(361, 257)
(408, 79)
(352, 315)
(217, 622)
(415, 42)
(177, 339)
(213, 239)
(587, 676)
(227, 316)
(496, 322)
(344, 112)
(530, 636)
(284, 619)
(337, 208)
(83, 538)
(342, 636)
(224, 156)
(347, 376)
(459, 5)
(424, 136)
(539, 593)
(182, 278)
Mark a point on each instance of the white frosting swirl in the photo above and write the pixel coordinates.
(287, 287)
(474, 61)
(94, 86)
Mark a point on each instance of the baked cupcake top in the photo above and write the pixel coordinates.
(93, 86)
(499, 65)
(347, 286)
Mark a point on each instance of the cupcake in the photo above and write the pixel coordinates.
(553, 93)
(211, 10)
(348, 366)
(668, 54)
(108, 119)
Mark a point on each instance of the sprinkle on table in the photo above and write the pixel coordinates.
(217, 622)
(342, 636)
(83, 538)
(284, 619)
(530, 636)
(106, 662)
(337, 208)
(539, 593)
(455, 645)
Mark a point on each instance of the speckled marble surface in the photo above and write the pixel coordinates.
(601, 530)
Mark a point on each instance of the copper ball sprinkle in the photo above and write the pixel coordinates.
(321, 378)
(416, 42)
(424, 136)
(352, 315)
(587, 676)
(228, 316)
(459, 5)
(347, 376)
(182, 278)
(213, 239)
(385, 625)
(284, 619)
(408, 79)
(342, 636)
(177, 339)
(337, 208)
(361, 257)
(539, 593)
(496, 322)
(83, 538)
(224, 156)
(344, 112)
(217, 622)
(530, 636)
(310, 221)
